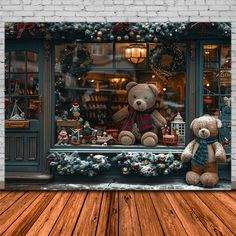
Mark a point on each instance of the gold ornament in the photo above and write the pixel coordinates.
(155, 39)
(99, 34)
(112, 37)
(125, 171)
(138, 36)
(98, 39)
(126, 37)
(145, 162)
(131, 33)
(118, 38)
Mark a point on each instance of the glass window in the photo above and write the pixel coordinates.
(85, 104)
(22, 83)
(217, 87)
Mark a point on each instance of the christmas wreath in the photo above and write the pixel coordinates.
(167, 58)
(75, 60)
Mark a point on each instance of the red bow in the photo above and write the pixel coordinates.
(121, 27)
(21, 27)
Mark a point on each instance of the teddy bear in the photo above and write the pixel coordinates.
(141, 113)
(204, 152)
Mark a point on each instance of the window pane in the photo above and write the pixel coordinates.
(88, 102)
(18, 61)
(211, 82)
(33, 108)
(17, 84)
(32, 62)
(211, 105)
(211, 60)
(225, 72)
(102, 54)
(32, 84)
(10, 104)
(6, 61)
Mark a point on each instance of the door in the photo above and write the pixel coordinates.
(23, 90)
(215, 86)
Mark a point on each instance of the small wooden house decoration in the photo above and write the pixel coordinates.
(179, 125)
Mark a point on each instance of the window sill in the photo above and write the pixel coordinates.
(117, 149)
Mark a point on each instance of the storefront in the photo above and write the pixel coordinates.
(65, 81)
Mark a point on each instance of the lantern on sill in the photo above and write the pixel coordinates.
(178, 125)
(136, 53)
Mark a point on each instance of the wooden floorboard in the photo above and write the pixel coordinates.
(117, 213)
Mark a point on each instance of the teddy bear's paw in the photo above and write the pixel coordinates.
(192, 178)
(149, 139)
(186, 156)
(220, 156)
(126, 138)
(209, 179)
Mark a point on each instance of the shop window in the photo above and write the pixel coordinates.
(86, 99)
(22, 83)
(217, 87)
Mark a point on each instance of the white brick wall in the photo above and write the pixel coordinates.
(118, 10)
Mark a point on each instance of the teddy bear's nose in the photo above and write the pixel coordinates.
(203, 131)
(138, 103)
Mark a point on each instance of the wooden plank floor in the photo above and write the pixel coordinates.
(117, 213)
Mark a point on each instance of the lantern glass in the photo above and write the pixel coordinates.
(136, 53)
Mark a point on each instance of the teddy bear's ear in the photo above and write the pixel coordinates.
(218, 123)
(130, 85)
(154, 89)
(192, 123)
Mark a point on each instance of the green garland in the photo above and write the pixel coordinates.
(177, 63)
(75, 60)
(110, 32)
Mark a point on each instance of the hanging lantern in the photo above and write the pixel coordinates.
(136, 53)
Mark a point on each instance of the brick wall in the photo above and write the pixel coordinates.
(117, 10)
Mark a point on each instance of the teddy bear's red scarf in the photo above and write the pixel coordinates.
(141, 118)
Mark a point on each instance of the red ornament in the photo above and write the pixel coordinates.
(136, 165)
(91, 155)
(208, 100)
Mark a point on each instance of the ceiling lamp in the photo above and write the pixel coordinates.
(136, 53)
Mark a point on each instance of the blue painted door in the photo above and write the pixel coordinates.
(23, 85)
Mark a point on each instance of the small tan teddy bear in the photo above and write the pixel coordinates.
(141, 113)
(204, 152)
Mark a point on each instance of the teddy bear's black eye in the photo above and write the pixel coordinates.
(134, 96)
(199, 128)
(146, 97)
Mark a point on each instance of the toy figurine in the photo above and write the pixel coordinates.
(75, 136)
(165, 130)
(75, 109)
(64, 115)
(62, 137)
(89, 130)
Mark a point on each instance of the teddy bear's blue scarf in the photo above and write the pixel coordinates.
(201, 155)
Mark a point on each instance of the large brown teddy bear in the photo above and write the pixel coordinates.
(204, 152)
(141, 113)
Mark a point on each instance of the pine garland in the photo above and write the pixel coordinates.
(109, 32)
(147, 164)
(71, 163)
